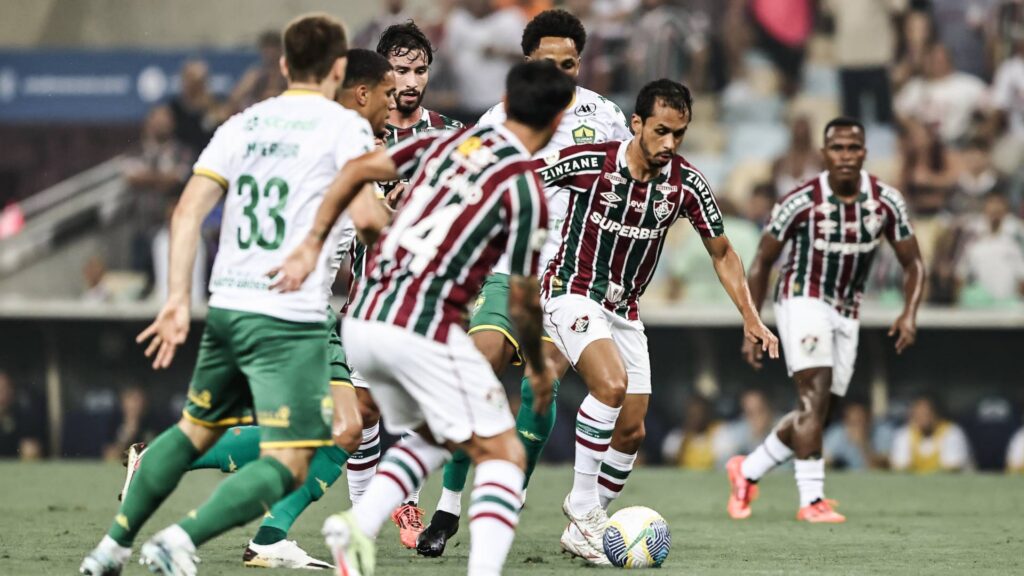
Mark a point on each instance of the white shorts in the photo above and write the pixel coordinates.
(357, 379)
(814, 335)
(573, 322)
(415, 380)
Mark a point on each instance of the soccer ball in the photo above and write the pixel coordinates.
(637, 537)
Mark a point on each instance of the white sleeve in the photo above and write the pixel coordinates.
(494, 116)
(620, 126)
(955, 453)
(218, 159)
(900, 456)
(354, 141)
(1015, 452)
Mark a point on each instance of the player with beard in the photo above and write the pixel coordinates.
(558, 37)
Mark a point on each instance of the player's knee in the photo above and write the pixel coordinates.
(505, 446)
(611, 391)
(631, 438)
(202, 437)
(348, 437)
(296, 460)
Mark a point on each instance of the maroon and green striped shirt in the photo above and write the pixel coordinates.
(832, 243)
(473, 197)
(615, 227)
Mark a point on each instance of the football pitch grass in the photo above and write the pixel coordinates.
(52, 514)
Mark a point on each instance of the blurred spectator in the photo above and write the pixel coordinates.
(161, 249)
(691, 275)
(482, 44)
(992, 265)
(917, 34)
(667, 41)
(155, 170)
(930, 170)
(196, 112)
(978, 178)
(392, 12)
(800, 163)
(784, 27)
(929, 443)
(135, 423)
(943, 97)
(960, 27)
(854, 443)
(1008, 107)
(754, 423)
(762, 201)
(20, 429)
(1015, 453)
(263, 80)
(92, 276)
(863, 66)
(703, 443)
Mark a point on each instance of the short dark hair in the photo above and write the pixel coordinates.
(555, 23)
(365, 67)
(401, 39)
(843, 122)
(669, 92)
(312, 43)
(536, 92)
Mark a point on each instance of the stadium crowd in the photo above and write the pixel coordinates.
(940, 88)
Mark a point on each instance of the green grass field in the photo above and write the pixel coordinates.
(971, 524)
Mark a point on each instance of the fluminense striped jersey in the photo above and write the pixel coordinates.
(615, 227)
(832, 243)
(474, 197)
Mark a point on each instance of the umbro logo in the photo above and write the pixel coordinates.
(610, 199)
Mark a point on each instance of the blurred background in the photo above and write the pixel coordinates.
(104, 105)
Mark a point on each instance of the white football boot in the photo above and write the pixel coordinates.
(283, 554)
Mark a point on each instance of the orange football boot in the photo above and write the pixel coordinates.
(743, 491)
(409, 520)
(820, 512)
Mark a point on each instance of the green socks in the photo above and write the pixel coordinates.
(239, 499)
(324, 470)
(236, 448)
(533, 428)
(166, 461)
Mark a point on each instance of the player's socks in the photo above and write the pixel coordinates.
(156, 478)
(450, 502)
(401, 472)
(594, 424)
(362, 465)
(239, 499)
(493, 515)
(810, 480)
(324, 470)
(613, 475)
(534, 429)
(768, 455)
(236, 448)
(455, 473)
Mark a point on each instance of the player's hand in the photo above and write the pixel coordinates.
(753, 354)
(542, 384)
(395, 196)
(756, 333)
(289, 276)
(905, 330)
(168, 331)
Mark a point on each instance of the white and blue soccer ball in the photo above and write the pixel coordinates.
(637, 537)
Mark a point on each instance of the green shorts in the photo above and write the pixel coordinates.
(278, 368)
(341, 373)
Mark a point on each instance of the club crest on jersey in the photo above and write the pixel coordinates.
(581, 325)
(809, 343)
(585, 110)
(584, 134)
(663, 209)
(873, 223)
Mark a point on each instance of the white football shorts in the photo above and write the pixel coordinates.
(813, 335)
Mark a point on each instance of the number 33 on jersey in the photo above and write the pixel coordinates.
(276, 160)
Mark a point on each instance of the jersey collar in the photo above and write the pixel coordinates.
(623, 167)
(826, 190)
(301, 92)
(511, 138)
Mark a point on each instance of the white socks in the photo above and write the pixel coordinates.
(613, 475)
(594, 424)
(401, 472)
(362, 465)
(493, 515)
(810, 480)
(768, 455)
(450, 502)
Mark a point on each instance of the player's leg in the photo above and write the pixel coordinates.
(362, 465)
(534, 429)
(285, 364)
(627, 438)
(237, 447)
(217, 399)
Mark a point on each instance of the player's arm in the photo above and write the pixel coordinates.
(170, 328)
(369, 215)
(729, 269)
(905, 326)
(768, 252)
(370, 167)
